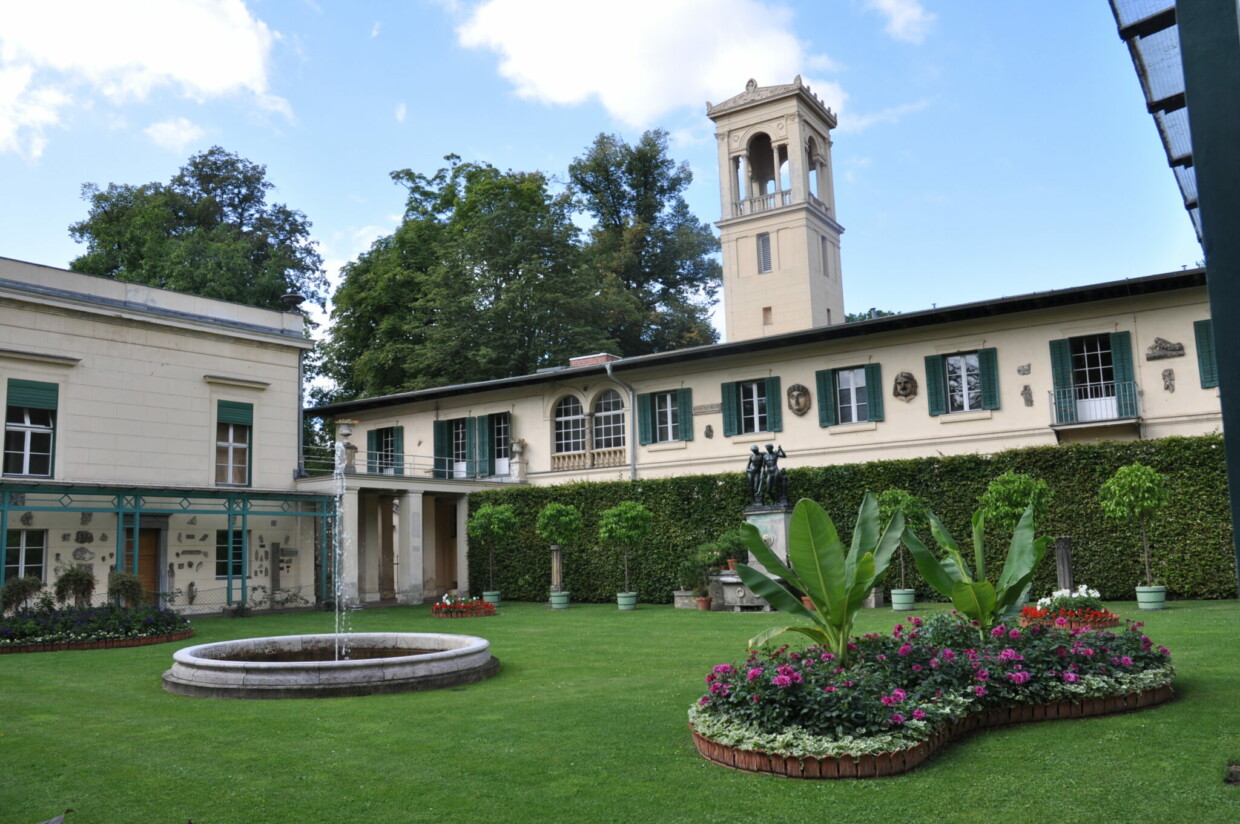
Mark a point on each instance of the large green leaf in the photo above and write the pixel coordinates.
(1023, 553)
(816, 635)
(976, 599)
(774, 594)
(865, 534)
(888, 544)
(928, 565)
(957, 569)
(817, 555)
(859, 587)
(757, 547)
(979, 545)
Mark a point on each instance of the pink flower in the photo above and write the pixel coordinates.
(1061, 621)
(918, 715)
(1019, 677)
(916, 667)
(979, 691)
(828, 656)
(1070, 678)
(723, 669)
(1014, 634)
(828, 689)
(999, 631)
(705, 699)
(916, 621)
(782, 681)
(754, 673)
(881, 657)
(982, 675)
(1010, 655)
(899, 694)
(904, 649)
(897, 718)
(948, 655)
(756, 699)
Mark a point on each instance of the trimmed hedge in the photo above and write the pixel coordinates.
(1191, 540)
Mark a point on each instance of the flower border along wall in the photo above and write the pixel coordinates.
(904, 696)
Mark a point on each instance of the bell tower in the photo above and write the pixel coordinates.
(781, 243)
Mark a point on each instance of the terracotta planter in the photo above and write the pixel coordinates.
(732, 564)
(703, 602)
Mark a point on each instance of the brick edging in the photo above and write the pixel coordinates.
(490, 614)
(110, 643)
(874, 765)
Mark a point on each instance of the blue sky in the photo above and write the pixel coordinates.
(984, 148)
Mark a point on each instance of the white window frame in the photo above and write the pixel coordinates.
(609, 420)
(224, 557)
(966, 394)
(18, 461)
(460, 448)
(21, 541)
(849, 384)
(570, 425)
(666, 410)
(385, 450)
(501, 440)
(232, 453)
(751, 416)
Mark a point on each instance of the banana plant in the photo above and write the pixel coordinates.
(835, 582)
(977, 598)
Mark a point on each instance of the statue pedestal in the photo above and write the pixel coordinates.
(772, 522)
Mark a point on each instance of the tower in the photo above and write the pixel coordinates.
(781, 243)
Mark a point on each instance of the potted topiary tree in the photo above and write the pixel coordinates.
(891, 501)
(694, 577)
(489, 524)
(75, 583)
(1133, 494)
(625, 526)
(560, 525)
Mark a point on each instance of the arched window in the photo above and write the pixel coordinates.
(570, 425)
(609, 420)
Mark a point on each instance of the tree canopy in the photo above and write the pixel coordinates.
(209, 231)
(488, 276)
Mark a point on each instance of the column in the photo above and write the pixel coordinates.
(349, 547)
(462, 544)
(409, 549)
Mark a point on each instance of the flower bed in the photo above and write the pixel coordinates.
(453, 606)
(1069, 618)
(905, 695)
(46, 628)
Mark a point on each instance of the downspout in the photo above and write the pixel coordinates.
(632, 421)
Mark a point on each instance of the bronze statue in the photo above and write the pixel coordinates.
(767, 482)
(753, 474)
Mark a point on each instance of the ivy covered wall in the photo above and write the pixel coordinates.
(1191, 541)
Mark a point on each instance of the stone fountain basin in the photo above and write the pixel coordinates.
(434, 661)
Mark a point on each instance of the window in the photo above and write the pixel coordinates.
(473, 447)
(663, 417)
(746, 408)
(1093, 378)
(850, 395)
(609, 421)
(570, 426)
(1207, 366)
(962, 382)
(30, 428)
(25, 553)
(764, 252)
(229, 554)
(385, 450)
(234, 422)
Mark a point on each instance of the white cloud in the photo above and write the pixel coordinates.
(654, 57)
(175, 133)
(58, 55)
(906, 19)
(376, 28)
(860, 122)
(401, 111)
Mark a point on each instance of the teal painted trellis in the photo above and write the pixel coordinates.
(128, 506)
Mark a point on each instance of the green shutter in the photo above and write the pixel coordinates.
(731, 408)
(372, 451)
(988, 370)
(32, 394)
(443, 449)
(471, 447)
(1207, 366)
(936, 385)
(1061, 379)
(398, 447)
(1125, 388)
(774, 406)
(486, 446)
(684, 413)
(874, 390)
(645, 419)
(233, 412)
(825, 378)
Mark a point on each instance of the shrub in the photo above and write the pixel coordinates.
(18, 591)
(625, 526)
(125, 589)
(1133, 494)
(1009, 495)
(77, 584)
(488, 524)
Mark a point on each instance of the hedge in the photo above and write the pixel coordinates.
(1191, 541)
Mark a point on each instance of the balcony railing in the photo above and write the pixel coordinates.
(762, 203)
(1094, 402)
(322, 461)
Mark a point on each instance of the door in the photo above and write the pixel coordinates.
(148, 562)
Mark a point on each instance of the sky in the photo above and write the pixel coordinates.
(984, 149)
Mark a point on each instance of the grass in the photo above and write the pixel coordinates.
(584, 723)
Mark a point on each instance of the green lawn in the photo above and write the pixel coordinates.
(584, 723)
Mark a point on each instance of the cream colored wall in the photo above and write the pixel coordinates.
(907, 429)
(139, 389)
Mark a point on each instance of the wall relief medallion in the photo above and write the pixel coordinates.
(1023, 369)
(710, 431)
(1027, 394)
(1162, 348)
(904, 387)
(1169, 380)
(798, 398)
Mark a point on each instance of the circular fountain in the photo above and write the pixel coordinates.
(315, 666)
